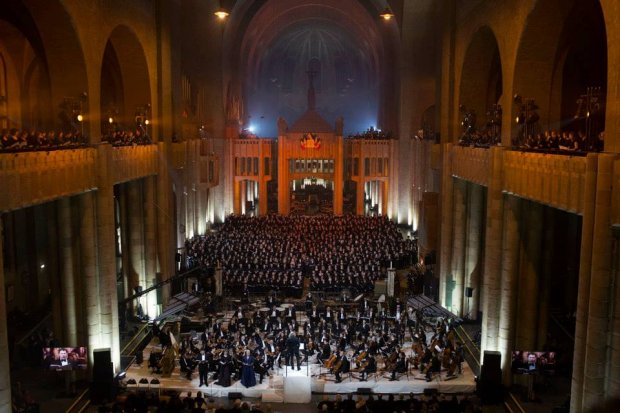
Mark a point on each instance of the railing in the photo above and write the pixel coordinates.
(133, 162)
(132, 345)
(30, 178)
(555, 180)
(471, 164)
(471, 348)
(80, 404)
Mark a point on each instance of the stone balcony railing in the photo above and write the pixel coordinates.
(134, 162)
(471, 164)
(30, 178)
(551, 179)
(555, 180)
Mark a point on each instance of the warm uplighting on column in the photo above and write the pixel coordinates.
(387, 14)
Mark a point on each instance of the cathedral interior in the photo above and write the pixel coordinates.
(488, 131)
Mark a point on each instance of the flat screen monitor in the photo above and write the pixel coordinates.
(533, 362)
(65, 358)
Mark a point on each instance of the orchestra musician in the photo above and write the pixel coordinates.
(309, 302)
(400, 366)
(326, 352)
(343, 365)
(262, 365)
(187, 364)
(368, 366)
(289, 314)
(344, 340)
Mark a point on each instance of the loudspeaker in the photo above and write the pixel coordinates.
(103, 375)
(177, 257)
(469, 292)
(492, 360)
(490, 383)
(430, 392)
(233, 395)
(102, 366)
(364, 390)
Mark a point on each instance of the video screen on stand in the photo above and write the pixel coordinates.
(533, 362)
(65, 358)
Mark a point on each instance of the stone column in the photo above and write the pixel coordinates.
(88, 260)
(600, 282)
(546, 272)
(359, 197)
(123, 211)
(237, 197)
(509, 282)
(472, 249)
(52, 266)
(135, 206)
(385, 187)
(150, 242)
(527, 323)
(108, 300)
(447, 215)
(613, 365)
(5, 369)
(583, 295)
(283, 189)
(458, 246)
(166, 221)
(493, 252)
(262, 197)
(65, 230)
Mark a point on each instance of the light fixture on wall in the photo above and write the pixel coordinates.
(221, 13)
(387, 14)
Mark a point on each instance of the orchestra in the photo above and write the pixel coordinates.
(360, 339)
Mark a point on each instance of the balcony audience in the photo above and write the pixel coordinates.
(128, 138)
(555, 141)
(371, 134)
(14, 140)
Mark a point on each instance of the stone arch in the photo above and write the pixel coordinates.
(125, 80)
(25, 101)
(538, 45)
(255, 24)
(481, 75)
(55, 41)
(581, 63)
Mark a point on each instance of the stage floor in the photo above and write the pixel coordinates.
(272, 387)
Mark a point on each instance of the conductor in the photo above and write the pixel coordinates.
(292, 347)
